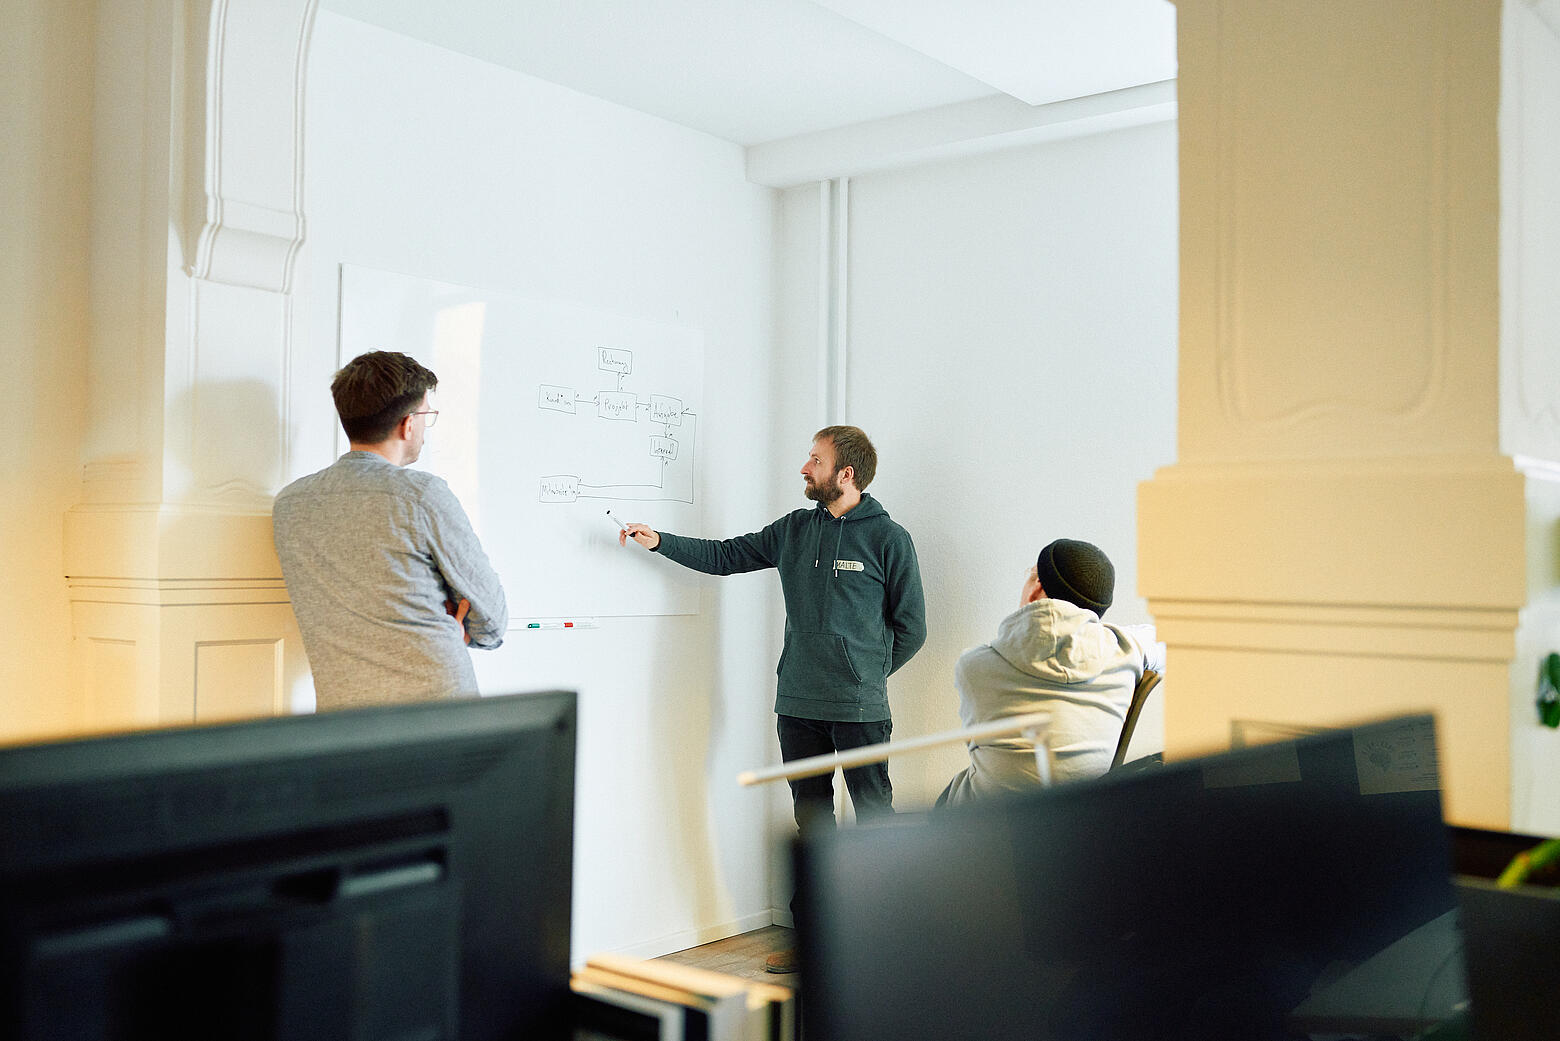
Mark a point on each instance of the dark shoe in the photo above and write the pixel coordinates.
(781, 961)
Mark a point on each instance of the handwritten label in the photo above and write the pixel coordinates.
(666, 410)
(612, 359)
(558, 399)
(560, 488)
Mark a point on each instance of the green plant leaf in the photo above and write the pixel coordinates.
(1549, 691)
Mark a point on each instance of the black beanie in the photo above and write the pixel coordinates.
(1078, 573)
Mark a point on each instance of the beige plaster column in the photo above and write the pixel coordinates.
(1346, 533)
(178, 609)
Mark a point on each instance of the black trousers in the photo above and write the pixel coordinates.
(812, 798)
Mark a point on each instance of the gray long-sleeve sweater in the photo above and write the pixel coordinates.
(370, 552)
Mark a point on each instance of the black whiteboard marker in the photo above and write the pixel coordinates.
(617, 522)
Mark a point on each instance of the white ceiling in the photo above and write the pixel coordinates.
(754, 71)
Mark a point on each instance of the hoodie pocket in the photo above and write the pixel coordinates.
(817, 660)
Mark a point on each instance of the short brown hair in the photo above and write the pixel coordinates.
(377, 390)
(852, 448)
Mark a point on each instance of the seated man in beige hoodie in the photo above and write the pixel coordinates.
(1053, 655)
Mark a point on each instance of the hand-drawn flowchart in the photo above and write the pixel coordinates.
(549, 407)
(618, 405)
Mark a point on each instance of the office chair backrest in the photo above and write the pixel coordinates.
(1140, 694)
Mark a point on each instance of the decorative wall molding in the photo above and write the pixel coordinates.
(1382, 533)
(162, 543)
(226, 414)
(177, 592)
(178, 609)
(1422, 375)
(1421, 634)
(243, 192)
(112, 671)
(238, 678)
(151, 660)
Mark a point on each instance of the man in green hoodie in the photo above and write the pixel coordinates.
(854, 613)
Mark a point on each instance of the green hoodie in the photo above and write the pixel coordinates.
(854, 611)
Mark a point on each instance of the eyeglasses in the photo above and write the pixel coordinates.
(432, 414)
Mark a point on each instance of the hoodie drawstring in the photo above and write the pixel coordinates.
(818, 545)
(839, 538)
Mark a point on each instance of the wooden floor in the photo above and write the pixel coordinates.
(742, 955)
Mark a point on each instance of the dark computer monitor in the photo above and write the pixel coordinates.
(1294, 890)
(1512, 939)
(398, 872)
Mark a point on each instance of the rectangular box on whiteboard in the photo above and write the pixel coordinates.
(550, 413)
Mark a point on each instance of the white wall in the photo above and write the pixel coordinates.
(45, 174)
(422, 161)
(1012, 353)
(1530, 377)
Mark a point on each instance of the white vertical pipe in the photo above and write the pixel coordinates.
(833, 297)
(833, 267)
(839, 398)
(825, 301)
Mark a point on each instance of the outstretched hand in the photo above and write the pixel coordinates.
(646, 536)
(458, 611)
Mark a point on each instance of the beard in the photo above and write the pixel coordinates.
(823, 493)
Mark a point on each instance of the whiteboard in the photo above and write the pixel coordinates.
(550, 414)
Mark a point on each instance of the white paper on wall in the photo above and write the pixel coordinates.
(550, 413)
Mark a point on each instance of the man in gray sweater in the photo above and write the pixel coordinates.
(386, 577)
